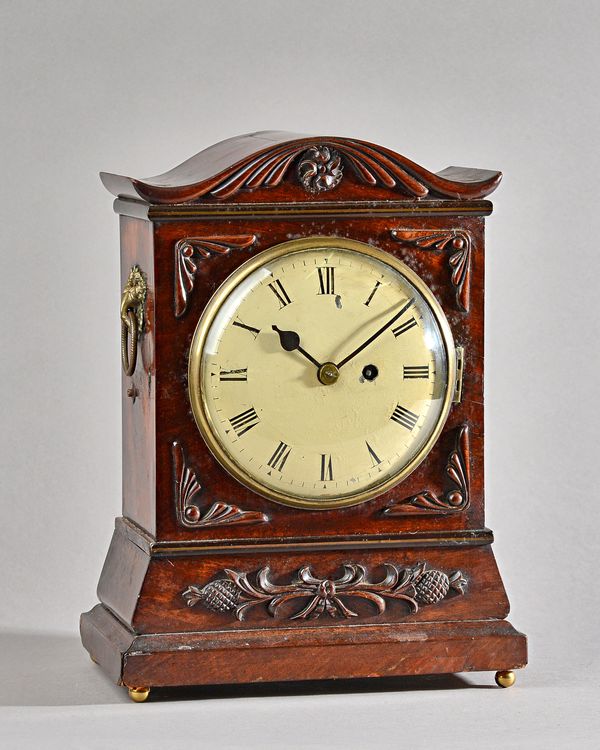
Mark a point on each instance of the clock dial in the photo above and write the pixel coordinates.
(321, 372)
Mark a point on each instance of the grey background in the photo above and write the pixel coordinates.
(137, 87)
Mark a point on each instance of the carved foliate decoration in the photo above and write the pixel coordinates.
(234, 593)
(455, 499)
(187, 491)
(459, 259)
(320, 169)
(190, 250)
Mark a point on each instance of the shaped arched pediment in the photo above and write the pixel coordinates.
(287, 166)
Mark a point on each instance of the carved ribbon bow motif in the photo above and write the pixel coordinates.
(237, 594)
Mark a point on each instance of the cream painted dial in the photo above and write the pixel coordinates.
(321, 372)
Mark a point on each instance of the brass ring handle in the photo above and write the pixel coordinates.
(129, 341)
(132, 318)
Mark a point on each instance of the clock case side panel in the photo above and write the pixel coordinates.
(217, 246)
(138, 391)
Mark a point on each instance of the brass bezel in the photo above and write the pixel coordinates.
(195, 369)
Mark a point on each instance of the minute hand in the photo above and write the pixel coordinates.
(376, 334)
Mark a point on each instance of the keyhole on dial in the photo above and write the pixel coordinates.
(370, 372)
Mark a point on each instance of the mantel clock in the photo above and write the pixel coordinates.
(303, 490)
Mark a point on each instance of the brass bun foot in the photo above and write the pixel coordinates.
(505, 678)
(139, 694)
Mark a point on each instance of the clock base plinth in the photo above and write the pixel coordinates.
(292, 654)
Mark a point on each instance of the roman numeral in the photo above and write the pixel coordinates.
(244, 421)
(233, 375)
(375, 288)
(278, 459)
(326, 468)
(404, 417)
(375, 460)
(253, 331)
(326, 280)
(277, 288)
(420, 371)
(404, 327)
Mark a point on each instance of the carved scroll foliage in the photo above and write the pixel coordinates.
(190, 250)
(454, 500)
(459, 260)
(236, 593)
(187, 490)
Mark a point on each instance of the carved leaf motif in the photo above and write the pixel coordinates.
(236, 594)
(187, 488)
(190, 250)
(454, 500)
(220, 514)
(459, 261)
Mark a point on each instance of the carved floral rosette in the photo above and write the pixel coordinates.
(235, 593)
(320, 169)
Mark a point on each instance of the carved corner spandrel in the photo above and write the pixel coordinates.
(189, 251)
(187, 490)
(459, 259)
(454, 500)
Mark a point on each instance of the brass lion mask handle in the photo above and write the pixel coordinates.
(132, 318)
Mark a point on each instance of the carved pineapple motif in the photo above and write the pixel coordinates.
(433, 585)
(221, 595)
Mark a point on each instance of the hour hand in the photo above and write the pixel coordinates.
(290, 341)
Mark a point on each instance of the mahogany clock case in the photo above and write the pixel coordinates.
(403, 584)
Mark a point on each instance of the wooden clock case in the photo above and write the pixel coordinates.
(420, 592)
